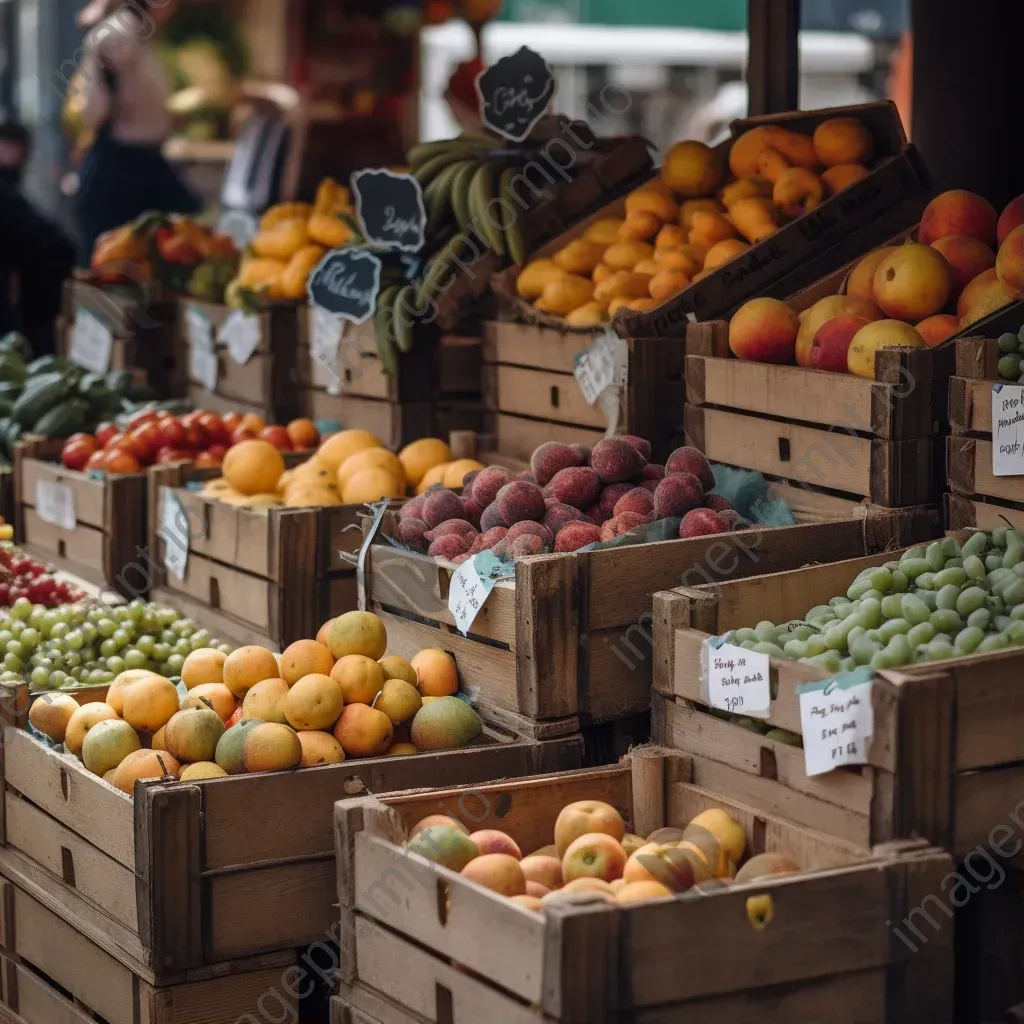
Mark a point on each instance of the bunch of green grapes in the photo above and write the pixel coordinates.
(1011, 356)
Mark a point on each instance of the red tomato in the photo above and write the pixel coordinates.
(231, 421)
(115, 440)
(142, 416)
(278, 437)
(216, 432)
(104, 432)
(88, 438)
(98, 460)
(167, 455)
(195, 437)
(77, 452)
(120, 461)
(146, 441)
(218, 451)
(172, 433)
(191, 417)
(242, 434)
(208, 460)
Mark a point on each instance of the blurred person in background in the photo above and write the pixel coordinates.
(124, 172)
(36, 257)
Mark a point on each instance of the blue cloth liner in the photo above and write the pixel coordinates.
(747, 490)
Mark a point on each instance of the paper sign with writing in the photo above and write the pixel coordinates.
(242, 333)
(91, 343)
(239, 226)
(837, 720)
(174, 530)
(470, 587)
(390, 208)
(514, 93)
(198, 328)
(326, 332)
(595, 369)
(346, 282)
(738, 679)
(1007, 430)
(203, 366)
(55, 504)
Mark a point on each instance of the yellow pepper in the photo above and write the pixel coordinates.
(325, 226)
(283, 241)
(282, 212)
(257, 273)
(292, 283)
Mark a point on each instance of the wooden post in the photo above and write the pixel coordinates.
(773, 66)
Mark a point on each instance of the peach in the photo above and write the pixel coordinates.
(149, 703)
(639, 892)
(764, 331)
(498, 872)
(843, 140)
(215, 695)
(832, 342)
(936, 329)
(594, 855)
(583, 817)
(862, 276)
(490, 840)
(51, 714)
(967, 258)
(436, 673)
(436, 819)
(984, 295)
(667, 865)
(1011, 217)
(587, 884)
(878, 335)
(536, 889)
(843, 176)
(912, 283)
(631, 843)
(958, 212)
(1010, 263)
(543, 870)
(825, 309)
(363, 731)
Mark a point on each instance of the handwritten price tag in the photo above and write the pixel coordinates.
(837, 721)
(241, 333)
(55, 504)
(1007, 430)
(739, 680)
(595, 369)
(175, 533)
(470, 587)
(198, 328)
(91, 343)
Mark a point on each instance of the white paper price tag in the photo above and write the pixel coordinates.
(91, 343)
(203, 366)
(175, 533)
(467, 593)
(739, 680)
(837, 721)
(326, 332)
(198, 328)
(1007, 430)
(241, 333)
(595, 369)
(55, 504)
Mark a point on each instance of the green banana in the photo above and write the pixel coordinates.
(438, 196)
(436, 269)
(481, 195)
(513, 219)
(402, 323)
(419, 156)
(460, 194)
(430, 171)
(383, 329)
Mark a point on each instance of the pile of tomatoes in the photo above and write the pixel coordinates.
(156, 437)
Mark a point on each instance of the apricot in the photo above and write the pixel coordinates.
(878, 335)
(402, 750)
(861, 281)
(640, 892)
(764, 330)
(579, 256)
(358, 633)
(366, 460)
(798, 191)
(984, 295)
(338, 447)
(743, 155)
(958, 212)
(646, 200)
(688, 259)
(936, 329)
(83, 718)
(689, 207)
(107, 744)
(51, 714)
(436, 673)
(265, 701)
(419, 457)
(770, 165)
(193, 734)
(842, 140)
(246, 667)
(667, 283)
(604, 231)
(746, 188)
(546, 871)
(359, 677)
(215, 695)
(1011, 217)
(270, 747)
(755, 219)
(812, 318)
(724, 252)
(1010, 263)
(584, 817)
(319, 748)
(842, 176)
(601, 273)
(642, 225)
(671, 236)
(144, 764)
(202, 770)
(625, 256)
(532, 280)
(797, 148)
(149, 703)
(590, 314)
(490, 840)
(710, 228)
(648, 268)
(967, 258)
(691, 169)
(314, 702)
(912, 283)
(203, 666)
(363, 731)
(765, 865)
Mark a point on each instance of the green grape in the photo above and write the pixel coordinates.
(914, 567)
(16, 627)
(950, 547)
(935, 556)
(915, 610)
(1003, 623)
(1007, 343)
(161, 652)
(994, 642)
(116, 664)
(970, 600)
(72, 659)
(863, 649)
(923, 633)
(926, 581)
(145, 643)
(1013, 593)
(892, 606)
(13, 663)
(166, 616)
(802, 632)
(893, 627)
(954, 577)
(122, 638)
(97, 677)
(869, 614)
(17, 648)
(975, 545)
(940, 649)
(199, 639)
(40, 676)
(954, 563)
(21, 609)
(134, 658)
(795, 649)
(947, 597)
(225, 648)
(60, 630)
(860, 587)
(980, 618)
(899, 650)
(106, 627)
(946, 620)
(1016, 632)
(830, 661)
(836, 636)
(174, 664)
(967, 640)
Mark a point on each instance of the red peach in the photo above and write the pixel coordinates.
(967, 258)
(1010, 263)
(701, 522)
(594, 855)
(984, 294)
(1012, 217)
(936, 329)
(490, 840)
(958, 212)
(764, 331)
(832, 342)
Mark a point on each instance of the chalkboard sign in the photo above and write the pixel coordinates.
(390, 208)
(515, 93)
(346, 283)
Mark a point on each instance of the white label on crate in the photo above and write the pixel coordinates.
(739, 680)
(203, 366)
(239, 226)
(1007, 430)
(837, 721)
(198, 328)
(595, 369)
(470, 587)
(241, 333)
(175, 533)
(55, 504)
(326, 331)
(91, 343)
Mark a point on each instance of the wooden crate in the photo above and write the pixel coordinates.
(146, 337)
(106, 546)
(268, 383)
(411, 930)
(531, 392)
(188, 874)
(265, 577)
(53, 973)
(566, 640)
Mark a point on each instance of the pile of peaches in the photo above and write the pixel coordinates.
(592, 853)
(967, 262)
(694, 218)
